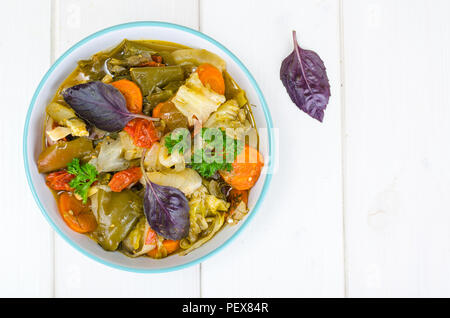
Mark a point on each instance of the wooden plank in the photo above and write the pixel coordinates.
(396, 171)
(77, 275)
(27, 264)
(294, 247)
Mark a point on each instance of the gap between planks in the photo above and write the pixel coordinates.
(343, 140)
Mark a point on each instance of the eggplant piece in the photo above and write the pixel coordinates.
(117, 214)
(148, 78)
(60, 154)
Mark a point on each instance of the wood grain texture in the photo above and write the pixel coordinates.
(76, 275)
(26, 268)
(294, 246)
(397, 160)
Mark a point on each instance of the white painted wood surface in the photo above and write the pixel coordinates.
(397, 175)
(26, 267)
(358, 205)
(294, 247)
(75, 274)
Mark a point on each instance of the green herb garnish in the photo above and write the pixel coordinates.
(215, 152)
(85, 176)
(179, 139)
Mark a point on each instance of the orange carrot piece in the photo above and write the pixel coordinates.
(157, 110)
(78, 216)
(132, 94)
(246, 169)
(212, 77)
(170, 246)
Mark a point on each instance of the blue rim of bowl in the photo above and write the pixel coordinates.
(266, 115)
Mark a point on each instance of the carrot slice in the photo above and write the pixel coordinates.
(170, 246)
(153, 253)
(78, 216)
(132, 94)
(246, 169)
(125, 178)
(157, 110)
(212, 77)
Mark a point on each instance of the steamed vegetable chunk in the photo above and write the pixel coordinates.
(150, 186)
(65, 116)
(194, 100)
(116, 213)
(149, 78)
(59, 155)
(197, 57)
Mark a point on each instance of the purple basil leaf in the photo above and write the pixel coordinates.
(305, 77)
(167, 211)
(100, 104)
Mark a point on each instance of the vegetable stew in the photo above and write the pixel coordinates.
(150, 148)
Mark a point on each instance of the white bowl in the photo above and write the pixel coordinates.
(32, 139)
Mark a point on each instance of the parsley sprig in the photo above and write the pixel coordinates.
(216, 152)
(178, 140)
(85, 176)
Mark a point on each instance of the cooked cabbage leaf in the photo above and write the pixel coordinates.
(206, 219)
(130, 150)
(230, 118)
(136, 244)
(110, 156)
(194, 99)
(151, 159)
(187, 180)
(66, 116)
(197, 57)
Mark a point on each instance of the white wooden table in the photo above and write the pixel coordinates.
(359, 205)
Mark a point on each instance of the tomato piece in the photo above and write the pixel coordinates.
(156, 61)
(152, 64)
(143, 132)
(125, 178)
(78, 216)
(151, 237)
(236, 197)
(157, 58)
(59, 180)
(246, 169)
